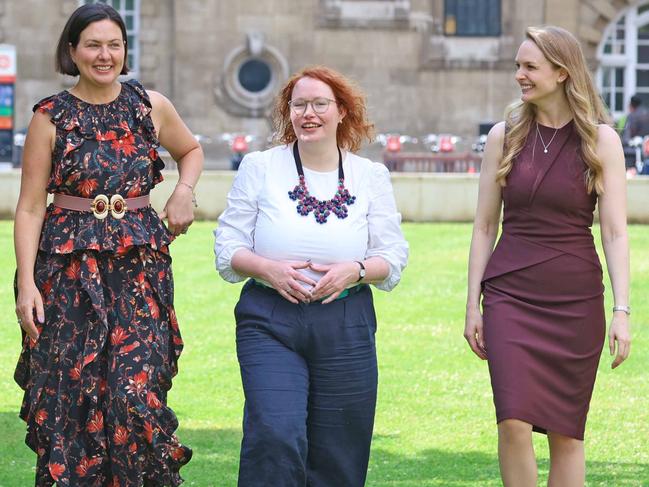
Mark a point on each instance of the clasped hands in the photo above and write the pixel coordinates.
(286, 279)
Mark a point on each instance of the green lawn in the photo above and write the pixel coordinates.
(435, 419)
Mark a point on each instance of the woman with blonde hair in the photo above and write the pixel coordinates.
(542, 325)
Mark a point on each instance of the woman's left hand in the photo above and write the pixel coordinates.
(619, 332)
(179, 210)
(336, 279)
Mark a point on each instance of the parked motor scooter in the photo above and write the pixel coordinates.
(479, 144)
(239, 146)
(441, 143)
(392, 144)
(640, 146)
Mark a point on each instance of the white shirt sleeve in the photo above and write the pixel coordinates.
(385, 237)
(236, 225)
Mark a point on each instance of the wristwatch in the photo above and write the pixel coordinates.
(620, 307)
(361, 271)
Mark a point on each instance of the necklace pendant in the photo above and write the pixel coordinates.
(321, 209)
(545, 150)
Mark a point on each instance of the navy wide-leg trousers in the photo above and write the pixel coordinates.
(309, 376)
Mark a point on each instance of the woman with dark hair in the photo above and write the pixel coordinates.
(311, 224)
(542, 326)
(94, 283)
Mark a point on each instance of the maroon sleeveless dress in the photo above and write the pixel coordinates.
(543, 304)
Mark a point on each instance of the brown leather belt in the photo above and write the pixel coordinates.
(101, 205)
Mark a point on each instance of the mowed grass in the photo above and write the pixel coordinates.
(435, 419)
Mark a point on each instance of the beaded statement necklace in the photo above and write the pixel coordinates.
(321, 208)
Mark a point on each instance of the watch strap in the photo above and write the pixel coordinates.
(361, 271)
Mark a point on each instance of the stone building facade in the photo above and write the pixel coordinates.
(426, 65)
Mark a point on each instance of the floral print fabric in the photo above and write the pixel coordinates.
(96, 380)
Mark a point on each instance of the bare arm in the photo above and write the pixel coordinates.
(28, 222)
(174, 136)
(485, 230)
(612, 218)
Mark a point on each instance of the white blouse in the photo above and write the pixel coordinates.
(262, 218)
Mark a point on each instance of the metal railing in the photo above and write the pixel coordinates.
(468, 162)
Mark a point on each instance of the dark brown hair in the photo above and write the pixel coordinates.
(354, 127)
(78, 21)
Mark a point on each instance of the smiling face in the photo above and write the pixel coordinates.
(538, 78)
(310, 126)
(99, 55)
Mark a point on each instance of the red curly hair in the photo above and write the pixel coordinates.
(354, 127)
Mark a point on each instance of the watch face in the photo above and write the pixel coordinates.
(362, 273)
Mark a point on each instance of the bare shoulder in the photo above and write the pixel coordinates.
(162, 110)
(609, 147)
(41, 118)
(607, 134)
(494, 147)
(497, 132)
(159, 102)
(41, 127)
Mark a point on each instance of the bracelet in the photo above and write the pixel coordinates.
(195, 203)
(185, 184)
(625, 309)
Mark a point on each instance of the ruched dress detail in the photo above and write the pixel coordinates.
(97, 378)
(543, 305)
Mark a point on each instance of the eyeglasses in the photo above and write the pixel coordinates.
(319, 105)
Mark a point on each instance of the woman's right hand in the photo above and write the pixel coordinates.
(29, 301)
(473, 332)
(286, 280)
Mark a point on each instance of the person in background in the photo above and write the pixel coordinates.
(311, 224)
(635, 125)
(542, 324)
(94, 283)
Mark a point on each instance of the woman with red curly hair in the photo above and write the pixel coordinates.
(312, 224)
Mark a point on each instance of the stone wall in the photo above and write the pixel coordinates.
(417, 80)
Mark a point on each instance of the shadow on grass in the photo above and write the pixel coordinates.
(216, 458)
(434, 467)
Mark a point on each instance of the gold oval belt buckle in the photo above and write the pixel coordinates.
(117, 206)
(100, 206)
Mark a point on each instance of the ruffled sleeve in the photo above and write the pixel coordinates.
(384, 222)
(236, 224)
(59, 111)
(142, 113)
(62, 115)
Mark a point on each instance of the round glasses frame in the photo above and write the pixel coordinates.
(301, 110)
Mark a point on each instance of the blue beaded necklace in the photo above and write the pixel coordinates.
(321, 208)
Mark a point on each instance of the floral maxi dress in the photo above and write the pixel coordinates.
(96, 380)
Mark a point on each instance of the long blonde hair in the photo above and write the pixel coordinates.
(561, 49)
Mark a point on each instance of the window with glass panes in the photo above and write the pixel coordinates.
(472, 17)
(612, 88)
(130, 12)
(624, 59)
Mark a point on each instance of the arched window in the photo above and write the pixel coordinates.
(624, 59)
